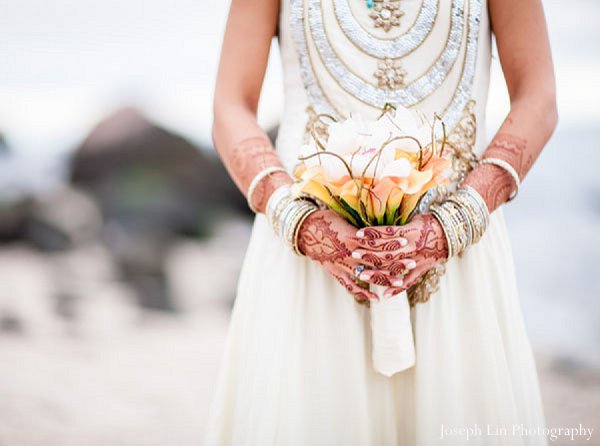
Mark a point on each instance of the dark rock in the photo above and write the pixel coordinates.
(3, 145)
(152, 187)
(11, 324)
(51, 222)
(147, 177)
(65, 305)
(14, 216)
(62, 219)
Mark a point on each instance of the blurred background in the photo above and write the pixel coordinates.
(121, 236)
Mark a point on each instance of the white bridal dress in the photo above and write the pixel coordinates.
(297, 368)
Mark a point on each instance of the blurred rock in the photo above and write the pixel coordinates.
(153, 187)
(54, 221)
(129, 228)
(62, 219)
(147, 177)
(77, 292)
(3, 145)
(14, 216)
(91, 296)
(206, 272)
(141, 257)
(26, 290)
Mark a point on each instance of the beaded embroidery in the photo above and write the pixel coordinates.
(415, 91)
(386, 14)
(381, 48)
(306, 18)
(390, 75)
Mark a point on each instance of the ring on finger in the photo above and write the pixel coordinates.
(358, 270)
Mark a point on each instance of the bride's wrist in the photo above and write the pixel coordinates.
(463, 217)
(441, 244)
(494, 184)
(305, 232)
(264, 184)
(286, 214)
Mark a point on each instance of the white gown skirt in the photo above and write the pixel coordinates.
(297, 368)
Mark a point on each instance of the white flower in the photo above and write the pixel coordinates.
(358, 142)
(333, 167)
(405, 123)
(346, 137)
(358, 164)
(369, 157)
(380, 132)
(400, 168)
(404, 119)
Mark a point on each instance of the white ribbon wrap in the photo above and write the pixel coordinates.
(393, 344)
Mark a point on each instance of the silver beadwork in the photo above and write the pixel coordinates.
(386, 14)
(311, 85)
(415, 91)
(463, 92)
(381, 48)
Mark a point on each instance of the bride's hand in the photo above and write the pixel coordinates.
(328, 239)
(405, 252)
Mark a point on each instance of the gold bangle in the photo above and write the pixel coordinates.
(293, 219)
(475, 203)
(471, 216)
(441, 216)
(297, 230)
(276, 202)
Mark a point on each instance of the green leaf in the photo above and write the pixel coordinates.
(351, 211)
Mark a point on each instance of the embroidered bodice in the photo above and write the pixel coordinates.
(348, 56)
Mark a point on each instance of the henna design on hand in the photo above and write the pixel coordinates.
(385, 238)
(425, 246)
(246, 160)
(493, 183)
(512, 149)
(250, 156)
(319, 241)
(328, 239)
(432, 241)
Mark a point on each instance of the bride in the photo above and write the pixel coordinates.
(297, 368)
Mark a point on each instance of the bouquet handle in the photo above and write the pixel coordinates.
(392, 336)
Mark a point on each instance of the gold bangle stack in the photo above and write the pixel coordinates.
(464, 217)
(442, 212)
(476, 209)
(292, 228)
(277, 202)
(286, 214)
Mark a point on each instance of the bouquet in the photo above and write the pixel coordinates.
(374, 173)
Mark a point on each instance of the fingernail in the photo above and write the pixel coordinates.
(364, 276)
(411, 264)
(360, 233)
(397, 282)
(403, 242)
(356, 255)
